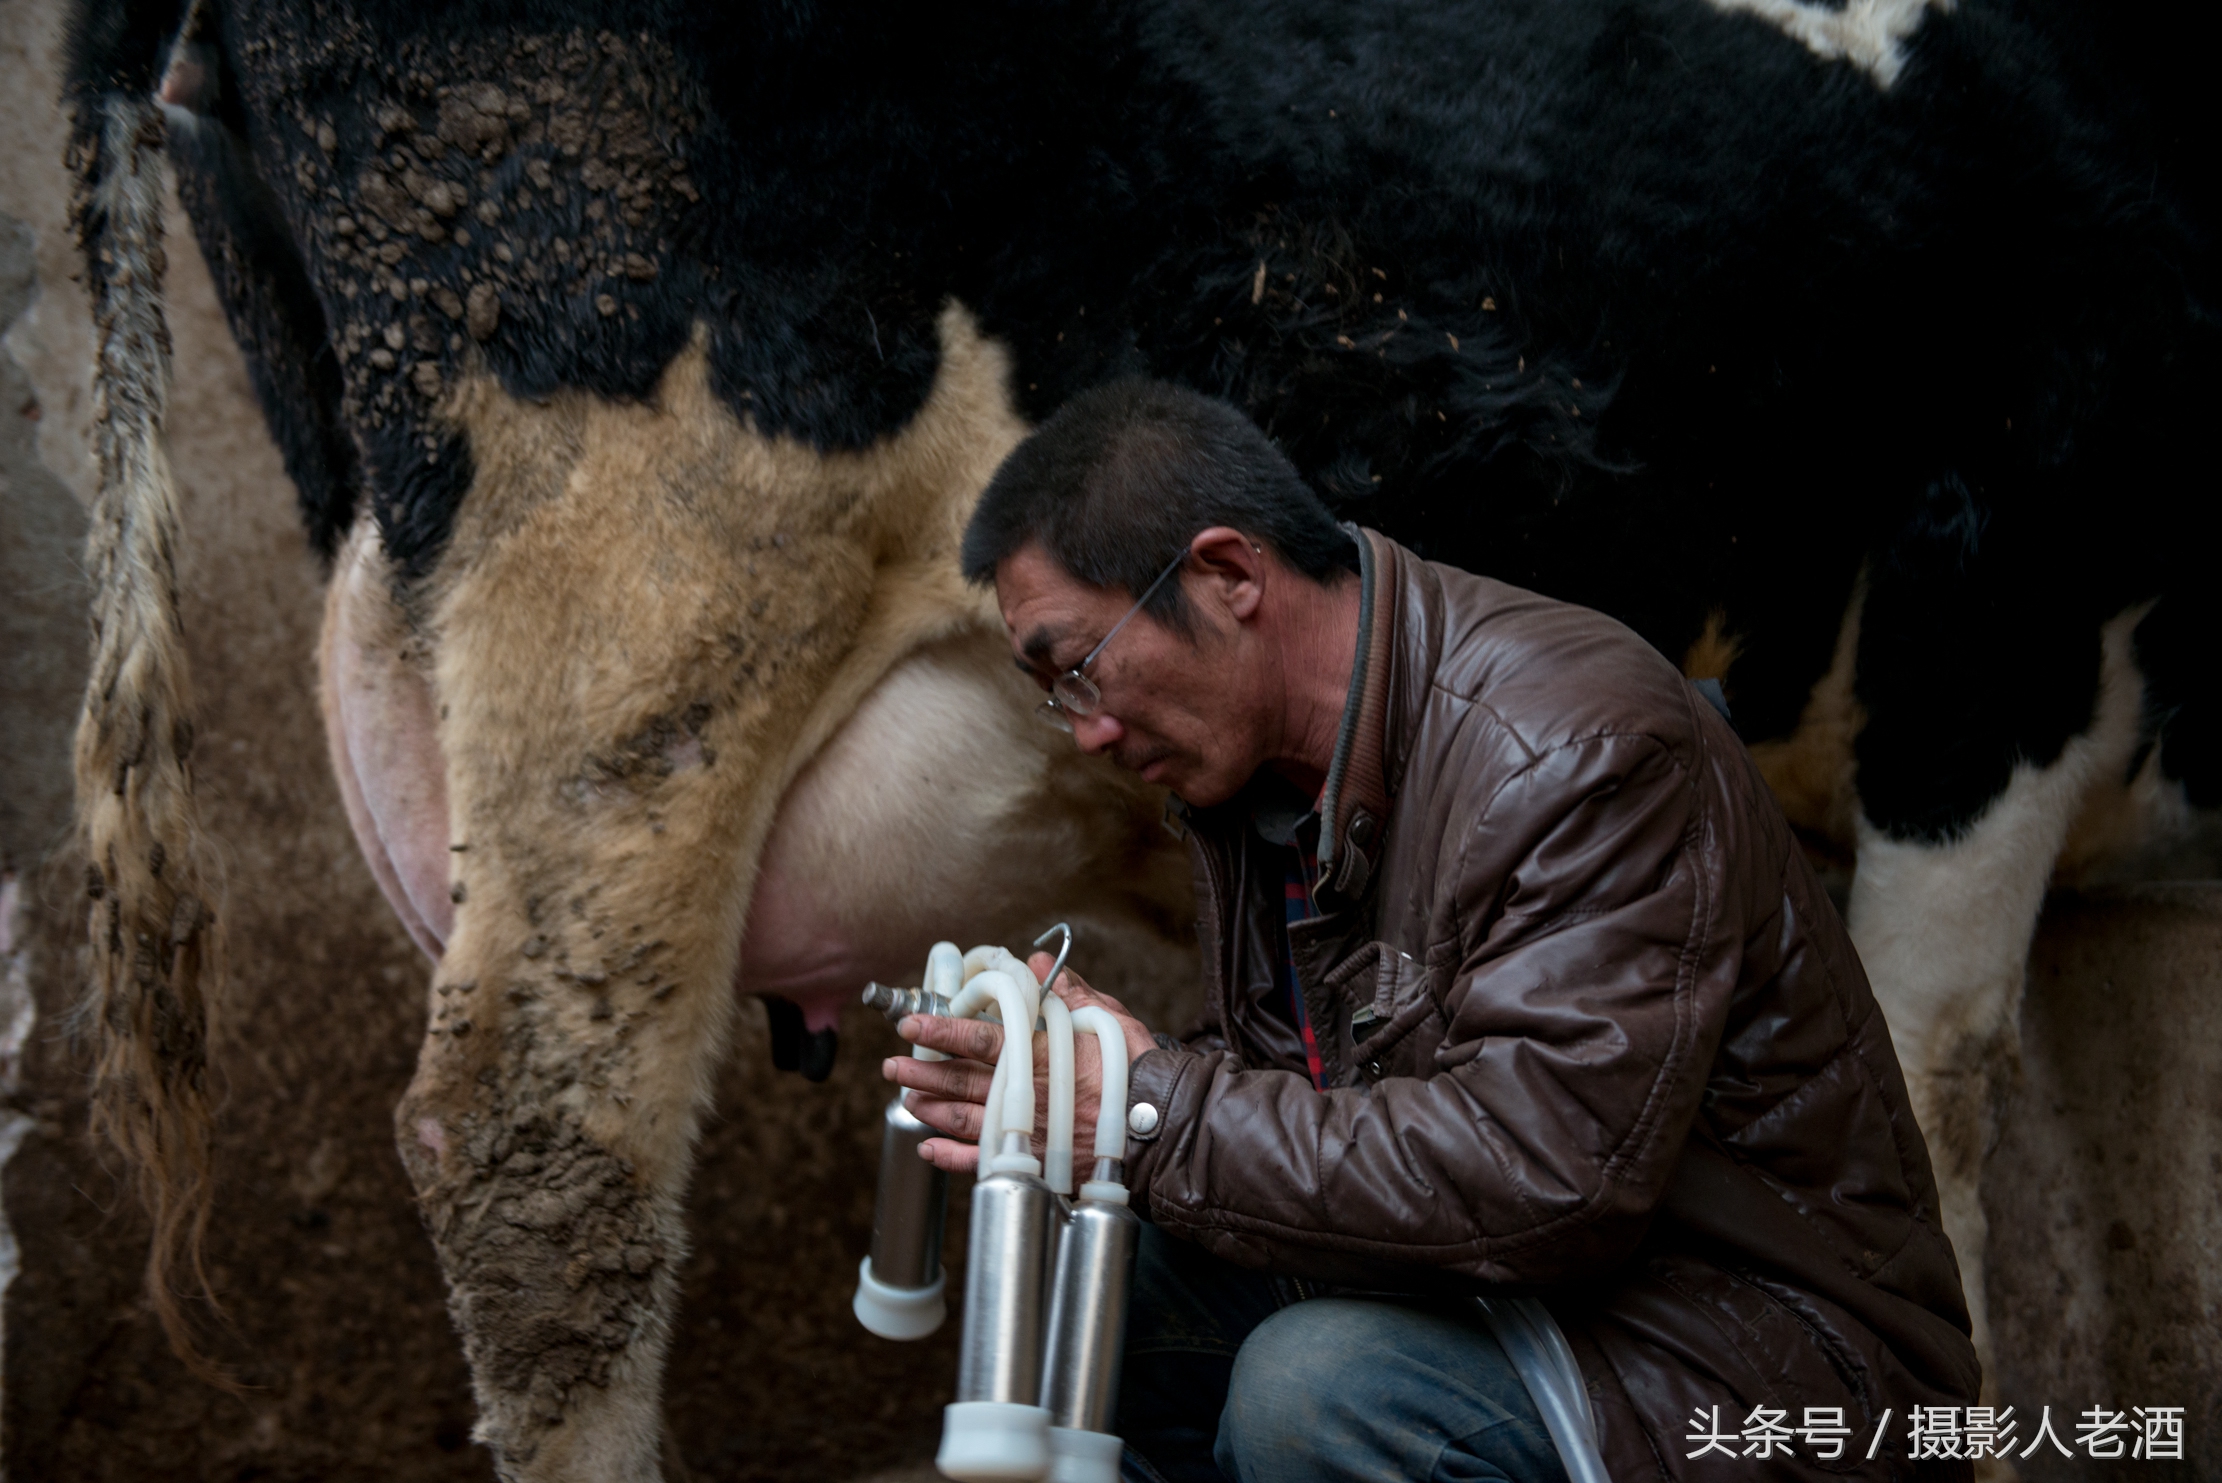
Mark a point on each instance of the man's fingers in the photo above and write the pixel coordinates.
(1079, 995)
(955, 1158)
(1070, 986)
(957, 1119)
(962, 1081)
(978, 1040)
(1073, 989)
(948, 1095)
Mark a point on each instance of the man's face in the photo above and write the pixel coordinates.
(1174, 709)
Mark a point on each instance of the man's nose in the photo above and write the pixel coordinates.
(1097, 732)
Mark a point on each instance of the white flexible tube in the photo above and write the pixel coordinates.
(1111, 1115)
(982, 958)
(993, 955)
(1015, 1067)
(983, 990)
(991, 1112)
(1057, 1145)
(944, 977)
(944, 970)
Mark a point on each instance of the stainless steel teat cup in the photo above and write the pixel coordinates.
(900, 1285)
(995, 1429)
(1087, 1334)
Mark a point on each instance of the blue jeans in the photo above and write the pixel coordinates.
(1228, 1376)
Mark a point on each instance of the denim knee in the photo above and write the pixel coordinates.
(1187, 1319)
(1344, 1388)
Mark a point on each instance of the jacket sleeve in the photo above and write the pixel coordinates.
(1580, 1008)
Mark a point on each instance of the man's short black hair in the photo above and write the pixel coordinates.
(1124, 475)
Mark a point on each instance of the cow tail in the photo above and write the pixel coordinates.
(153, 961)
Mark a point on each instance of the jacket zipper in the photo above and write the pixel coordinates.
(1214, 889)
(1207, 924)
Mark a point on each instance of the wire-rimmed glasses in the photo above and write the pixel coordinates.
(1072, 694)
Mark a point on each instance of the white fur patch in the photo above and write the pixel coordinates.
(1865, 33)
(1944, 932)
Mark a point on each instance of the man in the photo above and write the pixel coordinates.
(1514, 979)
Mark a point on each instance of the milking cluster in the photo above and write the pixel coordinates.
(1046, 1273)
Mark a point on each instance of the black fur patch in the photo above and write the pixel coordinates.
(1637, 303)
(276, 318)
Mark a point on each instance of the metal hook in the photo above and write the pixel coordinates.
(1063, 952)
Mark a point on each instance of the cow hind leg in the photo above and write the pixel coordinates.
(559, 1260)
(557, 1214)
(639, 603)
(1992, 723)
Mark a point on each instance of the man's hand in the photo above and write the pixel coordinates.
(951, 1096)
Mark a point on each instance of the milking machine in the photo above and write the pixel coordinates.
(1046, 1275)
(1047, 1268)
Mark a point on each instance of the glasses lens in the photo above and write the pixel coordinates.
(1076, 694)
(1049, 715)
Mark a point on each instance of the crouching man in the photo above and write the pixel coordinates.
(1514, 979)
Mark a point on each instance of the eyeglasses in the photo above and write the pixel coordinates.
(1072, 695)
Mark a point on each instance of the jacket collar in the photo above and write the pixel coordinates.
(1354, 808)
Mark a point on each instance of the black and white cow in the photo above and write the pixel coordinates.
(637, 365)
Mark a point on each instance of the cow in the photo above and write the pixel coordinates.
(637, 369)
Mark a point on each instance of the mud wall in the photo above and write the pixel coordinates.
(2104, 1190)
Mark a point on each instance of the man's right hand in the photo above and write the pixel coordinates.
(951, 1096)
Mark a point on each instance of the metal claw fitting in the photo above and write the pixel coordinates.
(895, 1003)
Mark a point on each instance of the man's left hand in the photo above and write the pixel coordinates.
(950, 1096)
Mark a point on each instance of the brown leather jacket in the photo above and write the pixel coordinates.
(1613, 1045)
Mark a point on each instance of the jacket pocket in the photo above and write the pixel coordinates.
(1388, 1004)
(1769, 1346)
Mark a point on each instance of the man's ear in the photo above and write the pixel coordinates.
(1234, 569)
